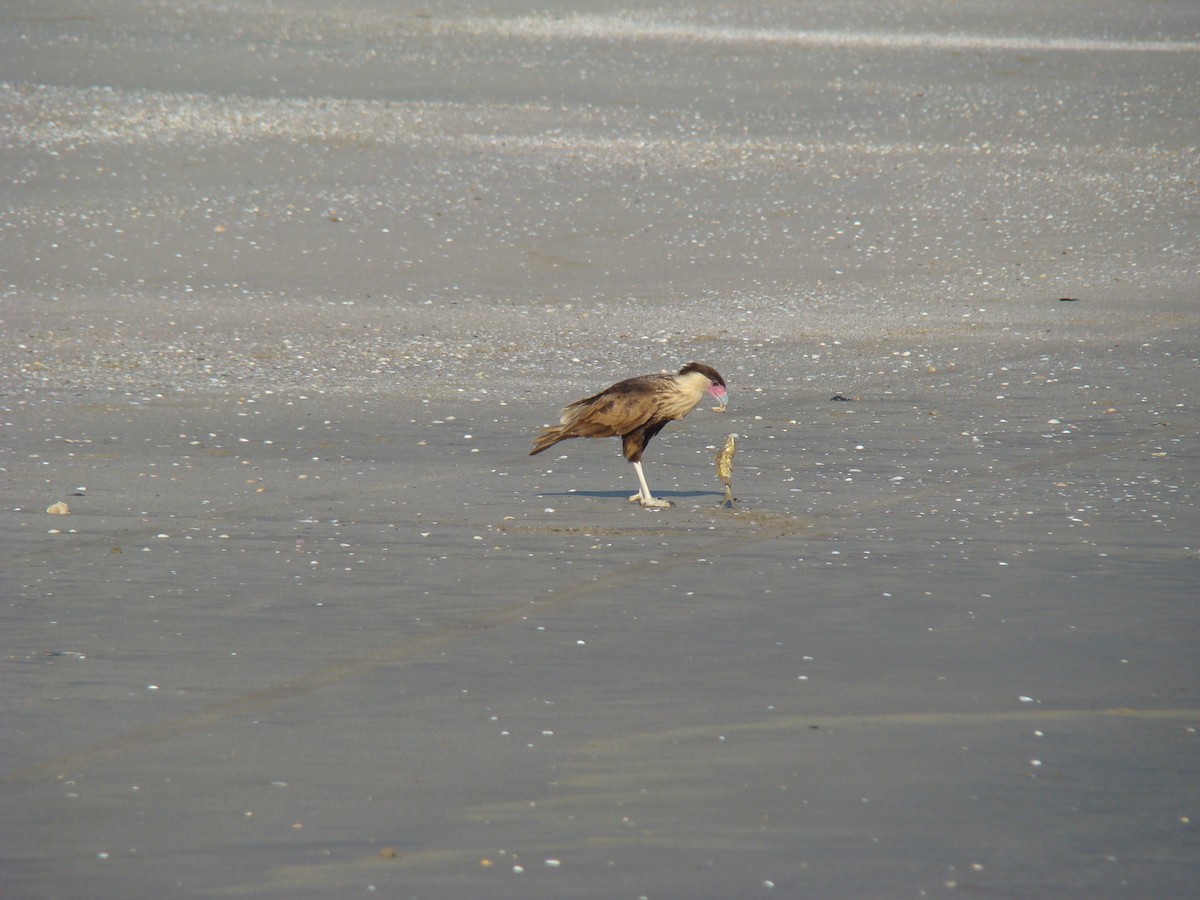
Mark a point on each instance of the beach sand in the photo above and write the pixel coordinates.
(287, 290)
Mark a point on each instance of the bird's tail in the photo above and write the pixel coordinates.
(549, 437)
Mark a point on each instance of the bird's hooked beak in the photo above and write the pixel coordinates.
(718, 393)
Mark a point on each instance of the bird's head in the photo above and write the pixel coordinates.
(716, 384)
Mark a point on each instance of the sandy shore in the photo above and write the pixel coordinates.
(286, 291)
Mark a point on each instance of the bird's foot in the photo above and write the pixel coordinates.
(650, 502)
(655, 503)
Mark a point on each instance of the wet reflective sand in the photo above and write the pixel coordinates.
(288, 288)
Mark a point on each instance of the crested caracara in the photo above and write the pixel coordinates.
(635, 410)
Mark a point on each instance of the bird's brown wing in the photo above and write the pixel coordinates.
(618, 410)
(626, 407)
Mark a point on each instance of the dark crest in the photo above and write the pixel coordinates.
(707, 371)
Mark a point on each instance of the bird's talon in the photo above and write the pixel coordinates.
(656, 503)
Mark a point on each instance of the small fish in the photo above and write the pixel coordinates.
(724, 461)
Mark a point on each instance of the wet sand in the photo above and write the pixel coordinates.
(287, 289)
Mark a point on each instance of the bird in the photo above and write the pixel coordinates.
(635, 410)
(724, 461)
